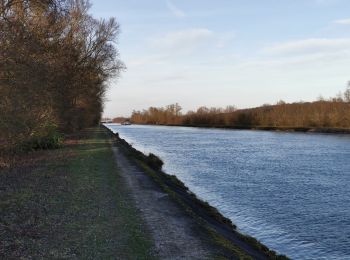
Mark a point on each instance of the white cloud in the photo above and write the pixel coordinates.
(145, 60)
(185, 40)
(175, 10)
(309, 46)
(326, 2)
(342, 21)
(224, 39)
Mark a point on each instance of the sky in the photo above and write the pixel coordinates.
(227, 52)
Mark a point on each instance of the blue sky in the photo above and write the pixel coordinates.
(227, 52)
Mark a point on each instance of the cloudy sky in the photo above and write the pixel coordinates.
(227, 52)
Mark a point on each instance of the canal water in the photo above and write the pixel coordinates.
(289, 190)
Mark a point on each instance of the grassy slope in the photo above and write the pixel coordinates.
(70, 203)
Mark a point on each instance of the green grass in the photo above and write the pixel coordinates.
(71, 203)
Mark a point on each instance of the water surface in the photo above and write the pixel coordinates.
(289, 190)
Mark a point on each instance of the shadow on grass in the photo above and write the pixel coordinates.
(63, 204)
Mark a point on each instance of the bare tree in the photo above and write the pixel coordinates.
(55, 64)
(347, 93)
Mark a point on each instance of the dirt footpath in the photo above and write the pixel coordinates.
(174, 232)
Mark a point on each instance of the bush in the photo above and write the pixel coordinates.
(154, 162)
(46, 138)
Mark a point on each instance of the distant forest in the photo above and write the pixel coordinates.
(332, 113)
(55, 62)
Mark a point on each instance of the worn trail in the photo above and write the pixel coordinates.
(174, 232)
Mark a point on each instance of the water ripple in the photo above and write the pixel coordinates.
(289, 190)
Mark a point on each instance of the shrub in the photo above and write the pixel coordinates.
(47, 137)
(154, 162)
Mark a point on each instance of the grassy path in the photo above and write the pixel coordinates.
(70, 203)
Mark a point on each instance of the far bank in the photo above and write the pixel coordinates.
(324, 116)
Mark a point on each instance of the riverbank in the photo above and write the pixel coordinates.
(325, 130)
(221, 231)
(70, 203)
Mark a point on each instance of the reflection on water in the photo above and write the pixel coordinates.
(289, 190)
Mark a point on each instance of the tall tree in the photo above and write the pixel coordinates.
(55, 64)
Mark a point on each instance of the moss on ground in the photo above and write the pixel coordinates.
(70, 203)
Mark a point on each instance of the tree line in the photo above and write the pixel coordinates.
(331, 113)
(55, 63)
(169, 115)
